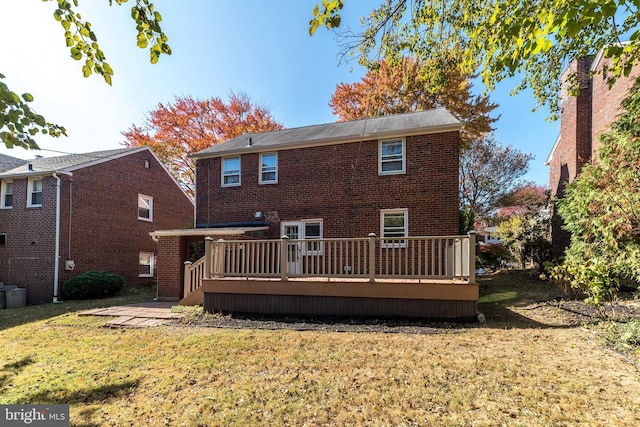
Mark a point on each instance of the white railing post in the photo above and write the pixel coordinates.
(284, 258)
(372, 257)
(472, 256)
(207, 256)
(187, 279)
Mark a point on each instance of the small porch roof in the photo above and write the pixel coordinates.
(218, 231)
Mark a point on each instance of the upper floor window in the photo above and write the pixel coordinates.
(393, 226)
(7, 195)
(231, 172)
(268, 168)
(34, 193)
(145, 207)
(392, 158)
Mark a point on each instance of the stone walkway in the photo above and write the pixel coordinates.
(142, 315)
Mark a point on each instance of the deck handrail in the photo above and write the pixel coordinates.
(372, 257)
(193, 275)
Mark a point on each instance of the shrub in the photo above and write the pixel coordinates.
(492, 256)
(92, 284)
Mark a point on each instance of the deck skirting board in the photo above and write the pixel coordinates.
(340, 306)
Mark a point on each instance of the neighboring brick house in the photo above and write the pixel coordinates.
(583, 119)
(336, 180)
(94, 211)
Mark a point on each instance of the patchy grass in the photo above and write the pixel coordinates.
(516, 370)
(22, 315)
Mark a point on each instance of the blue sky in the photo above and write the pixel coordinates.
(261, 48)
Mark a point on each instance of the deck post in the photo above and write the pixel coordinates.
(187, 278)
(207, 256)
(472, 256)
(372, 257)
(284, 257)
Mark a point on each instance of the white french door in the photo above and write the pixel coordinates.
(292, 230)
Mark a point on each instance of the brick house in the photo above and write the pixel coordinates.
(61, 216)
(336, 180)
(582, 120)
(395, 176)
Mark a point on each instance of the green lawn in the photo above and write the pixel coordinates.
(520, 368)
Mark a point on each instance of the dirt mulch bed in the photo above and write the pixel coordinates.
(551, 313)
(324, 323)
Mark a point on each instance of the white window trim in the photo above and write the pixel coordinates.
(320, 250)
(403, 243)
(148, 199)
(222, 172)
(262, 171)
(404, 157)
(301, 233)
(30, 182)
(152, 262)
(3, 193)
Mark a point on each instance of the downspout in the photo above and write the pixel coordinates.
(56, 261)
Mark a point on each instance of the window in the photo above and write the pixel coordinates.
(7, 195)
(392, 157)
(268, 168)
(145, 264)
(313, 230)
(3, 238)
(394, 224)
(231, 172)
(145, 208)
(34, 195)
(306, 229)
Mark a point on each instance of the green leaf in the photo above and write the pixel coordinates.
(27, 97)
(76, 53)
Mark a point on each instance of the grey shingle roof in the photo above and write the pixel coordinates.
(69, 162)
(8, 162)
(438, 120)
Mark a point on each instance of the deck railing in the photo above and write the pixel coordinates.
(193, 275)
(372, 258)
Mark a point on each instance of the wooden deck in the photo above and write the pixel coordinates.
(435, 299)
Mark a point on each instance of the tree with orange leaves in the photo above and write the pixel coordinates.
(402, 88)
(176, 130)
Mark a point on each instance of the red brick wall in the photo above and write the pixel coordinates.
(27, 258)
(99, 225)
(340, 184)
(582, 120)
(607, 101)
(171, 257)
(574, 148)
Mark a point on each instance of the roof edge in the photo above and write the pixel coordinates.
(333, 141)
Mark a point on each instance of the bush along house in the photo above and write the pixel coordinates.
(347, 218)
(62, 216)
